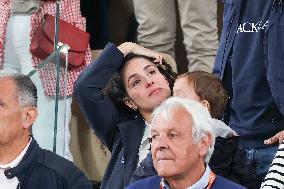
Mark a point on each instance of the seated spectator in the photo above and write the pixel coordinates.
(182, 141)
(227, 160)
(23, 164)
(117, 93)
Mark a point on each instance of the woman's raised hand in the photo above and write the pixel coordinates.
(129, 47)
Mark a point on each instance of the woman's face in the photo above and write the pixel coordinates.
(145, 85)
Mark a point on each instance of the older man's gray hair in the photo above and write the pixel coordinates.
(201, 119)
(26, 92)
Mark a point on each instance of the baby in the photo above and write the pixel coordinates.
(207, 89)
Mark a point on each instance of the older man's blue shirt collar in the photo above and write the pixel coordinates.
(200, 184)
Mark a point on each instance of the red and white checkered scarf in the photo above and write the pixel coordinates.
(70, 12)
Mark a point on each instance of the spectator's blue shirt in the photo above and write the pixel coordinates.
(154, 183)
(201, 183)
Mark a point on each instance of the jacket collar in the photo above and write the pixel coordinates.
(27, 161)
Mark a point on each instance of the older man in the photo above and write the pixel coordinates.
(182, 143)
(23, 164)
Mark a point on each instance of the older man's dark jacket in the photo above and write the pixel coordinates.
(42, 169)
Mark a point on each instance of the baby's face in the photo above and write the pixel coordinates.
(185, 90)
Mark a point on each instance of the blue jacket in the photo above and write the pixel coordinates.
(121, 133)
(251, 64)
(43, 169)
(154, 183)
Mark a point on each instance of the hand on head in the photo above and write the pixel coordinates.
(129, 47)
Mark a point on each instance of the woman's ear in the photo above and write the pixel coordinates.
(29, 116)
(128, 102)
(206, 104)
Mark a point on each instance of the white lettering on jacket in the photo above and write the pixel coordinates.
(252, 27)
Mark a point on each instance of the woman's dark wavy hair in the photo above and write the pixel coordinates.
(116, 89)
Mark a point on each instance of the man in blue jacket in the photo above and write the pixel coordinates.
(250, 63)
(182, 141)
(23, 164)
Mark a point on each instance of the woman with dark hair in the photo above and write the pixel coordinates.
(117, 94)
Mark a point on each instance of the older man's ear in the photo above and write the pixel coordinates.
(204, 144)
(29, 116)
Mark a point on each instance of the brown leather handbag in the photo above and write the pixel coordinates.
(42, 43)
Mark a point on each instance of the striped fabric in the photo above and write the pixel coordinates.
(275, 176)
